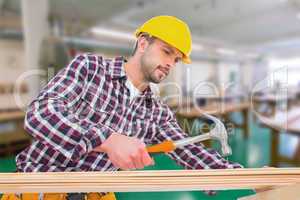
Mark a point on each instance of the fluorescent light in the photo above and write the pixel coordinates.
(252, 55)
(224, 51)
(197, 47)
(101, 31)
(112, 33)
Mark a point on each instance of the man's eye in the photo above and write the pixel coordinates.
(167, 52)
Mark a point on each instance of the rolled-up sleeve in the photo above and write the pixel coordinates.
(50, 117)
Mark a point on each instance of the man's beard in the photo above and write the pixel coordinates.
(148, 69)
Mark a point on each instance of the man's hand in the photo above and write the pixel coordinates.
(126, 152)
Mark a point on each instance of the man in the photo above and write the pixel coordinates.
(99, 114)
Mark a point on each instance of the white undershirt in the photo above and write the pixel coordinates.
(134, 92)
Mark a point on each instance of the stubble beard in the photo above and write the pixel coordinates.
(148, 69)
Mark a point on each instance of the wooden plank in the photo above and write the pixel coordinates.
(166, 180)
(164, 173)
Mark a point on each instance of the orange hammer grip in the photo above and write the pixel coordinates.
(163, 147)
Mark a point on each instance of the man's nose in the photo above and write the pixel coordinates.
(168, 67)
(170, 64)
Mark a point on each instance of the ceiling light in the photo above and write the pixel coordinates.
(197, 47)
(112, 33)
(227, 52)
(252, 55)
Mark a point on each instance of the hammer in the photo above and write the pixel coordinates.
(217, 133)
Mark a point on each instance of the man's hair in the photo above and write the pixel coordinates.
(148, 37)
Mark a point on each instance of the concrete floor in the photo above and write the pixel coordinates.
(253, 152)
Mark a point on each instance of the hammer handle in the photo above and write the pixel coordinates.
(164, 147)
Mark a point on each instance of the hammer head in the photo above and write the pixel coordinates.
(219, 133)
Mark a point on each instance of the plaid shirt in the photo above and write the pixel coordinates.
(83, 105)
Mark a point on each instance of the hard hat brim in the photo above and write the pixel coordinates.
(186, 60)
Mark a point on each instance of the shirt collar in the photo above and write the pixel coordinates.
(116, 70)
(148, 92)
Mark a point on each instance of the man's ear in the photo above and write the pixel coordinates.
(142, 43)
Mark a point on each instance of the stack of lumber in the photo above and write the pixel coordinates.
(136, 181)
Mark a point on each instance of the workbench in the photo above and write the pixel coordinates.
(272, 102)
(13, 137)
(287, 122)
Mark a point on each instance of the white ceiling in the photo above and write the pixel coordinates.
(231, 21)
(264, 26)
(261, 26)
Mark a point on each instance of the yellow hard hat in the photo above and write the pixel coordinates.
(170, 30)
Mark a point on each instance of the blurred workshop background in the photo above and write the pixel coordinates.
(245, 70)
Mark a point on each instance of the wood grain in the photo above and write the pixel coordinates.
(136, 181)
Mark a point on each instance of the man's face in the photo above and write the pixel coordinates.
(158, 59)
